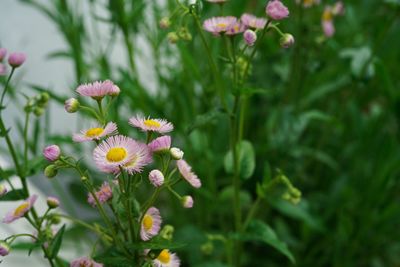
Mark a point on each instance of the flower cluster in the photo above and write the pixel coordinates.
(328, 15)
(126, 159)
(249, 24)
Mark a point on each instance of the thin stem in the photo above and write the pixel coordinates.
(26, 142)
(5, 89)
(86, 225)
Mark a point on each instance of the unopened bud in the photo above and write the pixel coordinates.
(176, 153)
(167, 232)
(173, 37)
(71, 105)
(187, 202)
(53, 202)
(38, 111)
(287, 40)
(164, 23)
(50, 171)
(4, 248)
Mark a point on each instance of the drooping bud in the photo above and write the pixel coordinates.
(156, 178)
(16, 59)
(71, 105)
(53, 202)
(52, 153)
(164, 23)
(176, 153)
(173, 37)
(187, 202)
(287, 40)
(4, 248)
(50, 171)
(38, 111)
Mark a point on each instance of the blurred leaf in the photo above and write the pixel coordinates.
(59, 54)
(360, 59)
(246, 160)
(203, 119)
(156, 243)
(55, 244)
(260, 231)
(14, 195)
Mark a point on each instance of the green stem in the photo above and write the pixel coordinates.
(86, 225)
(5, 88)
(26, 142)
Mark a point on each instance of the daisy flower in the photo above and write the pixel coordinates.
(236, 28)
(160, 144)
(186, 171)
(85, 262)
(166, 259)
(121, 152)
(276, 10)
(251, 21)
(21, 210)
(95, 133)
(154, 125)
(98, 90)
(103, 195)
(151, 224)
(218, 25)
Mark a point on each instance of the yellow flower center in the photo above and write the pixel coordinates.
(164, 256)
(116, 154)
(21, 209)
(327, 15)
(152, 123)
(221, 25)
(147, 222)
(93, 132)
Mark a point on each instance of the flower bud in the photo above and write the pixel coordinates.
(187, 202)
(55, 219)
(38, 111)
(276, 10)
(250, 37)
(287, 40)
(53, 202)
(167, 232)
(71, 105)
(173, 37)
(3, 190)
(52, 153)
(4, 248)
(50, 171)
(156, 178)
(44, 98)
(164, 23)
(84, 178)
(176, 153)
(3, 53)
(16, 59)
(184, 34)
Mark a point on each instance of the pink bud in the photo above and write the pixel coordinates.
(4, 249)
(156, 178)
(16, 59)
(250, 37)
(3, 53)
(187, 202)
(53, 202)
(52, 153)
(276, 10)
(328, 27)
(287, 40)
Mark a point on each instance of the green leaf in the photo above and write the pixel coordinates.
(55, 245)
(14, 195)
(203, 119)
(4, 174)
(246, 158)
(260, 231)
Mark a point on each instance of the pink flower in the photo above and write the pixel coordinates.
(218, 25)
(251, 21)
(3, 69)
(16, 59)
(3, 53)
(85, 262)
(52, 153)
(235, 28)
(98, 90)
(187, 202)
(276, 10)
(151, 125)
(95, 133)
(250, 37)
(121, 152)
(186, 171)
(166, 259)
(328, 28)
(156, 178)
(338, 9)
(21, 210)
(160, 144)
(150, 224)
(103, 195)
